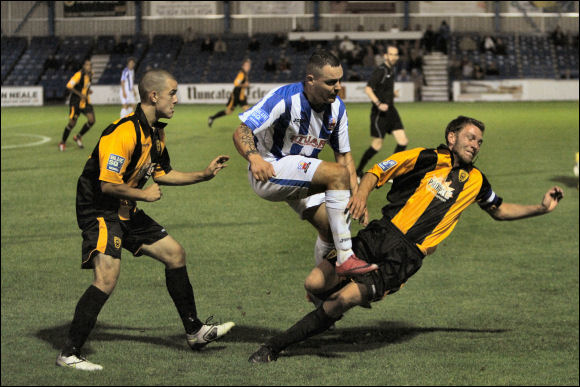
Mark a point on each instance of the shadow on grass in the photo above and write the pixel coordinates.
(568, 181)
(330, 344)
(56, 336)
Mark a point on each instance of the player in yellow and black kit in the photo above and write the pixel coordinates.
(431, 188)
(129, 152)
(80, 88)
(239, 96)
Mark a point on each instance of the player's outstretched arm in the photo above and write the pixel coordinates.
(244, 142)
(512, 211)
(186, 178)
(358, 202)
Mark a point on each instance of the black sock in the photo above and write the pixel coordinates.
(86, 313)
(312, 324)
(85, 129)
(218, 114)
(369, 153)
(400, 148)
(65, 134)
(181, 292)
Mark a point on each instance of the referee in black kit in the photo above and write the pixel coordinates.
(384, 115)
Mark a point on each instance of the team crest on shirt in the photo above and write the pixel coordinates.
(117, 242)
(303, 166)
(463, 175)
(441, 188)
(331, 123)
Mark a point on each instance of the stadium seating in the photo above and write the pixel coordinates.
(12, 49)
(50, 62)
(30, 65)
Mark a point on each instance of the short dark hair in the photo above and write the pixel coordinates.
(459, 123)
(319, 59)
(153, 80)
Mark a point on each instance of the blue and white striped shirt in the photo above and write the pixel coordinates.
(128, 76)
(284, 123)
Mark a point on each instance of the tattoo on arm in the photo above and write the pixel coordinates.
(247, 139)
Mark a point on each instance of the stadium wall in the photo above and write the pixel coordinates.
(14, 12)
(516, 90)
(218, 93)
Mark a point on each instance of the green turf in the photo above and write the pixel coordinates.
(497, 304)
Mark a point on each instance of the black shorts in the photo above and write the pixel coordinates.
(235, 99)
(108, 235)
(385, 122)
(398, 258)
(75, 110)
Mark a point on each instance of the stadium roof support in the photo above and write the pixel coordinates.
(497, 18)
(51, 22)
(227, 17)
(23, 22)
(138, 18)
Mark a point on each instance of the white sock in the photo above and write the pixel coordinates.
(123, 112)
(129, 110)
(336, 201)
(321, 248)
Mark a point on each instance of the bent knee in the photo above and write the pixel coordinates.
(175, 257)
(314, 283)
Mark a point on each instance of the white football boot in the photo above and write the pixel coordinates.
(208, 333)
(77, 362)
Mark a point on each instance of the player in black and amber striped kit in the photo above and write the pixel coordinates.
(431, 188)
(80, 88)
(239, 96)
(129, 152)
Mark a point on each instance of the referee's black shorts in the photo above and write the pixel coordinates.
(108, 234)
(385, 122)
(398, 258)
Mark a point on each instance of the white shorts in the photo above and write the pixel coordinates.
(130, 100)
(291, 184)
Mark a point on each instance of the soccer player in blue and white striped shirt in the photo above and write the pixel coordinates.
(281, 137)
(128, 93)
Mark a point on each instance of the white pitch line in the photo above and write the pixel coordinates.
(43, 140)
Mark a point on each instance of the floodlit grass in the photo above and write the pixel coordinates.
(497, 304)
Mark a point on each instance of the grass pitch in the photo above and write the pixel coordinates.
(497, 304)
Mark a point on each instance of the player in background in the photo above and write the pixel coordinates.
(129, 152)
(384, 116)
(239, 95)
(281, 137)
(431, 188)
(128, 93)
(80, 88)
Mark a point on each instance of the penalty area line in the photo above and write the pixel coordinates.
(42, 140)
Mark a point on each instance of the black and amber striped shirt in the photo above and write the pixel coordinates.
(81, 82)
(428, 194)
(129, 151)
(239, 90)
